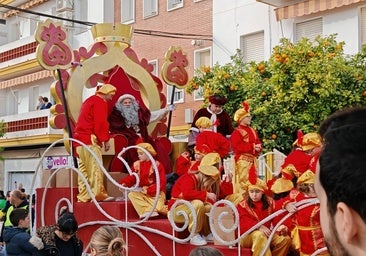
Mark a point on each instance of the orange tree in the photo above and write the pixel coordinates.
(298, 87)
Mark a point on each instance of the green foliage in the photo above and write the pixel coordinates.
(2, 129)
(297, 88)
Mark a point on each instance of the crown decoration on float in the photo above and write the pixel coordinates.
(109, 32)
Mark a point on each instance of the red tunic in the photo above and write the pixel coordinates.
(224, 126)
(295, 164)
(289, 222)
(92, 120)
(313, 162)
(183, 165)
(147, 176)
(307, 221)
(251, 216)
(226, 189)
(216, 142)
(186, 187)
(243, 141)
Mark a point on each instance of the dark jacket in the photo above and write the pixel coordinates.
(17, 242)
(7, 223)
(48, 236)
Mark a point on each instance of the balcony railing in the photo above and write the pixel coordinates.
(24, 128)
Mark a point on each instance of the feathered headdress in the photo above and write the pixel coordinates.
(299, 138)
(242, 112)
(254, 182)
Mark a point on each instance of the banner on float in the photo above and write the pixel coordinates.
(54, 162)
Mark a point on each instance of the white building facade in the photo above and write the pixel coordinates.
(23, 80)
(255, 27)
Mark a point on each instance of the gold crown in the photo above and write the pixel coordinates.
(108, 32)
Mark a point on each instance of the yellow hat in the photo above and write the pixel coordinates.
(148, 147)
(242, 112)
(209, 170)
(307, 177)
(203, 122)
(311, 140)
(308, 141)
(107, 89)
(202, 149)
(282, 185)
(259, 184)
(210, 159)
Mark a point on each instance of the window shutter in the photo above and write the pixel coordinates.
(127, 10)
(363, 26)
(309, 29)
(252, 47)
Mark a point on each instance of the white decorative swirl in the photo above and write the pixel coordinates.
(133, 226)
(220, 218)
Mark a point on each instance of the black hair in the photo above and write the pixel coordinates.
(18, 214)
(67, 223)
(278, 196)
(2, 195)
(342, 161)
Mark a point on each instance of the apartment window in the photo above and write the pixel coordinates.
(174, 4)
(252, 46)
(33, 24)
(154, 64)
(178, 95)
(14, 32)
(309, 29)
(128, 11)
(14, 103)
(363, 26)
(150, 8)
(33, 97)
(202, 57)
(81, 13)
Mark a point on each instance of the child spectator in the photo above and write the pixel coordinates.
(143, 200)
(61, 239)
(107, 241)
(18, 241)
(205, 251)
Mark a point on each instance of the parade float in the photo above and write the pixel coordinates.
(110, 59)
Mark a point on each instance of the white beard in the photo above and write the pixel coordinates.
(130, 114)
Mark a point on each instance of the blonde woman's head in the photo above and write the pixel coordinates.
(107, 241)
